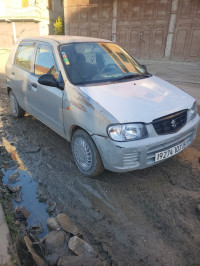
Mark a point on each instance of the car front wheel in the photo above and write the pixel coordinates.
(17, 111)
(86, 155)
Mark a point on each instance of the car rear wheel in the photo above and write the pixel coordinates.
(86, 155)
(17, 111)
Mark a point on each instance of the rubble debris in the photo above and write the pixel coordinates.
(80, 247)
(51, 205)
(14, 177)
(52, 259)
(53, 254)
(13, 189)
(22, 228)
(79, 260)
(24, 212)
(17, 222)
(42, 239)
(36, 242)
(54, 240)
(36, 229)
(18, 197)
(21, 214)
(5, 159)
(67, 224)
(53, 224)
(41, 195)
(3, 189)
(39, 261)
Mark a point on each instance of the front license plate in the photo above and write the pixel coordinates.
(170, 152)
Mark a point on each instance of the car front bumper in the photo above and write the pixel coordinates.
(140, 154)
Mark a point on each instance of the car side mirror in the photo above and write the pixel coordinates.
(48, 80)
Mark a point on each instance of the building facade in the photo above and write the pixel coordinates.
(148, 29)
(23, 18)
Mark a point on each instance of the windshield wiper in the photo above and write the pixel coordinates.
(133, 76)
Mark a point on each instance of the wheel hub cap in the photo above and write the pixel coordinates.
(83, 153)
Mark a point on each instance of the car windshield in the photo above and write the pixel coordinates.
(88, 63)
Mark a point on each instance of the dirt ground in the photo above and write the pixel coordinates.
(145, 217)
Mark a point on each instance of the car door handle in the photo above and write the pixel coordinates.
(34, 85)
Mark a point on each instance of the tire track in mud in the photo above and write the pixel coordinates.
(139, 218)
(131, 228)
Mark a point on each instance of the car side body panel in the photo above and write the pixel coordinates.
(80, 110)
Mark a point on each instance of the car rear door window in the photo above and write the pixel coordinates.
(44, 62)
(24, 56)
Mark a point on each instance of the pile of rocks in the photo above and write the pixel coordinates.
(62, 246)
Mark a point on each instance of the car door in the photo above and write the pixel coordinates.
(46, 102)
(20, 71)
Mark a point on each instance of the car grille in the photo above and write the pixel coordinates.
(170, 123)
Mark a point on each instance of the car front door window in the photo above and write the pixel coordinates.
(45, 63)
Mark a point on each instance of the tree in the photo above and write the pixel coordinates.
(59, 26)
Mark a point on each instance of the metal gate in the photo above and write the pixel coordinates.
(90, 18)
(186, 44)
(142, 27)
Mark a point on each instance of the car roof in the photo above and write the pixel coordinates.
(62, 39)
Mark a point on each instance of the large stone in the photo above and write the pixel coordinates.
(80, 247)
(67, 224)
(39, 261)
(52, 259)
(53, 224)
(77, 261)
(54, 240)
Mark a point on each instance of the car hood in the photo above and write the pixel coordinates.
(140, 100)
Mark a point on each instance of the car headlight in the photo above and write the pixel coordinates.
(193, 111)
(127, 132)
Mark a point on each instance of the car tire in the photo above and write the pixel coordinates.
(17, 111)
(86, 155)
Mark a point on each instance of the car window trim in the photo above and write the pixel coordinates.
(29, 43)
(52, 51)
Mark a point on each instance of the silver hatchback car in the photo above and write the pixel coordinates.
(94, 94)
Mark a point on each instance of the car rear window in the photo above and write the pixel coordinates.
(24, 56)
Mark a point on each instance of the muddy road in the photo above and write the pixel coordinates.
(146, 217)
